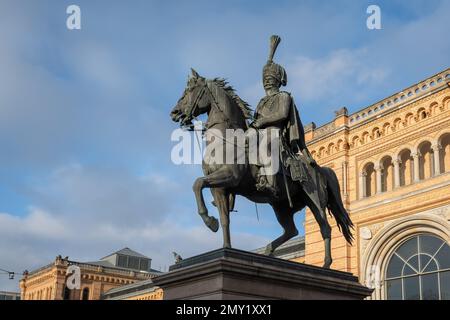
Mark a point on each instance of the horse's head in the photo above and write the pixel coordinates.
(193, 102)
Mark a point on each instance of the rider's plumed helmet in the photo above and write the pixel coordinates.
(271, 68)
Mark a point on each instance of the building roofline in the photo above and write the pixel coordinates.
(131, 253)
(10, 292)
(112, 269)
(403, 97)
(48, 266)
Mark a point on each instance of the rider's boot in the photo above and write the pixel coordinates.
(266, 184)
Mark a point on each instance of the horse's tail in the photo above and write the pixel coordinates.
(335, 205)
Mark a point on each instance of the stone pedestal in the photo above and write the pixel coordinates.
(230, 274)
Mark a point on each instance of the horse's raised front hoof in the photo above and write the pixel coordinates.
(212, 223)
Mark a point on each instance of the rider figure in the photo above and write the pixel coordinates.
(277, 112)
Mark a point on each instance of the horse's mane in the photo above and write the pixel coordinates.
(229, 90)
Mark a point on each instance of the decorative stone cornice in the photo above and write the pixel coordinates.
(400, 99)
(404, 139)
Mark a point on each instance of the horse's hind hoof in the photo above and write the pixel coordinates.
(327, 264)
(269, 252)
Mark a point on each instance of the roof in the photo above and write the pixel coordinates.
(10, 293)
(107, 264)
(132, 289)
(108, 267)
(418, 90)
(102, 263)
(127, 252)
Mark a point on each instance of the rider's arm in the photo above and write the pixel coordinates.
(280, 114)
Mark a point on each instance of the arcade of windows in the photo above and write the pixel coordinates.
(410, 165)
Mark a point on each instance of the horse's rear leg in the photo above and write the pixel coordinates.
(285, 216)
(321, 217)
(222, 178)
(222, 202)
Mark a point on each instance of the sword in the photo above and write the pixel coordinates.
(285, 182)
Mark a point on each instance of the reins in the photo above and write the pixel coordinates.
(215, 104)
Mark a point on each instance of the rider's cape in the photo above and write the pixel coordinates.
(295, 131)
(298, 162)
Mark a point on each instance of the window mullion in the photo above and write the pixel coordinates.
(418, 254)
(403, 289)
(439, 285)
(432, 258)
(406, 262)
(420, 288)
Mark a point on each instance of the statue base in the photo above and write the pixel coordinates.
(231, 274)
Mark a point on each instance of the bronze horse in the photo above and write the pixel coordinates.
(226, 110)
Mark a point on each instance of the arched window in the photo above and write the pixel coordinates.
(387, 175)
(355, 141)
(419, 270)
(322, 151)
(365, 137)
(387, 128)
(369, 182)
(406, 167)
(331, 149)
(376, 133)
(85, 295)
(426, 165)
(421, 114)
(434, 108)
(397, 124)
(444, 156)
(340, 145)
(409, 118)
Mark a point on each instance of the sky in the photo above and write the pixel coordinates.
(85, 166)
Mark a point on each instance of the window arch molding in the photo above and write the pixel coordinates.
(424, 140)
(363, 164)
(382, 246)
(396, 153)
(445, 102)
(381, 159)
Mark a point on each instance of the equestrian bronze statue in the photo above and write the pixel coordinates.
(299, 182)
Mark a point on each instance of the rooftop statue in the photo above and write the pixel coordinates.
(300, 181)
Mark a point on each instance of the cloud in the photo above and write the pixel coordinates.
(37, 223)
(38, 237)
(87, 212)
(343, 72)
(84, 126)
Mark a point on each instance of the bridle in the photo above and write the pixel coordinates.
(190, 113)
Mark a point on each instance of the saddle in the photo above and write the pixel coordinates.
(301, 170)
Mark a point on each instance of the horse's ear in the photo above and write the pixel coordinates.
(195, 74)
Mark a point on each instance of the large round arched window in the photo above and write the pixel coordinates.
(419, 270)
